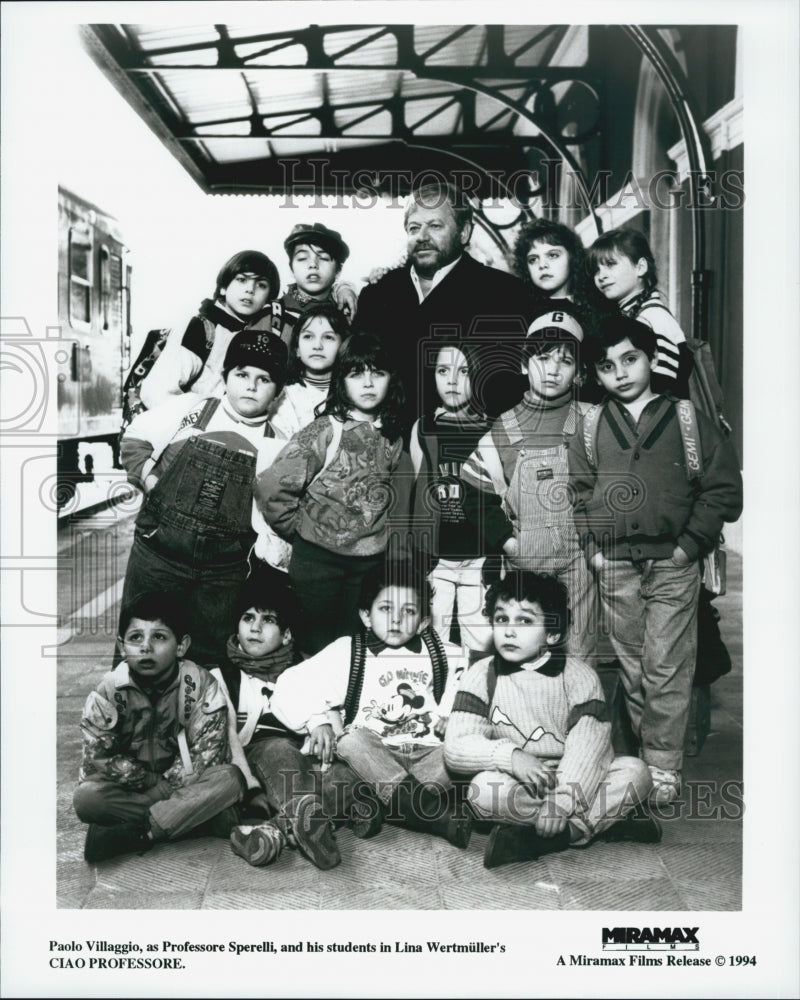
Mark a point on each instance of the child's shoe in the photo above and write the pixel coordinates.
(312, 831)
(104, 842)
(509, 843)
(366, 816)
(638, 826)
(666, 786)
(258, 845)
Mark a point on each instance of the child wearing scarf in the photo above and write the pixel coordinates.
(282, 780)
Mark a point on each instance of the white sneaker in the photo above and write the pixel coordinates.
(666, 785)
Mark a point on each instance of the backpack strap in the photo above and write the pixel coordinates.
(687, 422)
(211, 333)
(207, 413)
(511, 427)
(358, 657)
(491, 682)
(438, 657)
(591, 422)
(571, 423)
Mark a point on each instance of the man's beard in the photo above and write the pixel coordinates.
(436, 260)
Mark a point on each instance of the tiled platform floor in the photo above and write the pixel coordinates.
(697, 866)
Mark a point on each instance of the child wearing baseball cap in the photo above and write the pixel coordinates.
(516, 480)
(195, 460)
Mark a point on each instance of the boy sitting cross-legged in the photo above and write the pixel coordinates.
(281, 778)
(155, 746)
(529, 726)
(390, 686)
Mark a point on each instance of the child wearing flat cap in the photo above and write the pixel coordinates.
(316, 255)
(195, 460)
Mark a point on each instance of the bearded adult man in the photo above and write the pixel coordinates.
(443, 291)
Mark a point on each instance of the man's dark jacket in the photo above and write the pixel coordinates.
(475, 302)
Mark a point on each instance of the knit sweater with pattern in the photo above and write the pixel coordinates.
(344, 506)
(554, 709)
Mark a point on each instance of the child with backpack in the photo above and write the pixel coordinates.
(378, 700)
(624, 271)
(530, 728)
(652, 480)
(441, 440)
(516, 487)
(245, 288)
(330, 494)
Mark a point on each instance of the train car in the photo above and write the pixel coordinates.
(94, 276)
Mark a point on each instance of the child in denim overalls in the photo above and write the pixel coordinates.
(516, 481)
(195, 459)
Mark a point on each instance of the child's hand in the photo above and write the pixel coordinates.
(529, 770)
(549, 822)
(441, 727)
(598, 559)
(679, 557)
(511, 547)
(322, 742)
(346, 299)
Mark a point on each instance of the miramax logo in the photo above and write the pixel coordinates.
(650, 939)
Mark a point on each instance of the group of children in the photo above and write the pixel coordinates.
(416, 611)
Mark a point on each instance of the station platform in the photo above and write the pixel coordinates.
(697, 865)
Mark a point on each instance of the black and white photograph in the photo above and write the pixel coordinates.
(393, 482)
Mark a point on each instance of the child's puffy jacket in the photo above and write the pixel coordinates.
(133, 742)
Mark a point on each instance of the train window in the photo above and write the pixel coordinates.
(80, 276)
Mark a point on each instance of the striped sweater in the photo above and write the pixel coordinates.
(650, 309)
(555, 711)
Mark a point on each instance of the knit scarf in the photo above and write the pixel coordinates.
(265, 668)
(221, 317)
(303, 298)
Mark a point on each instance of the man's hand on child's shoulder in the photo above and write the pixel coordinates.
(529, 770)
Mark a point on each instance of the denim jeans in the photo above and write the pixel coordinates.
(210, 588)
(651, 611)
(327, 586)
(460, 581)
(495, 795)
(173, 811)
(287, 774)
(383, 768)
